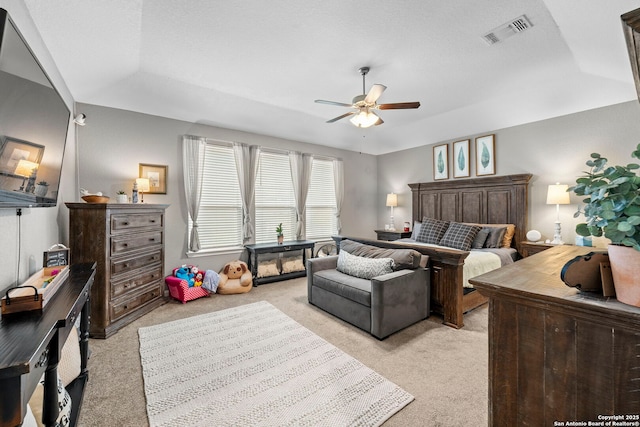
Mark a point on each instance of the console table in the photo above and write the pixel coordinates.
(272, 248)
(555, 353)
(31, 345)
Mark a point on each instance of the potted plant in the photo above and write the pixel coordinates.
(612, 210)
(41, 189)
(279, 233)
(121, 197)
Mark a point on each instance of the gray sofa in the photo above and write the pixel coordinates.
(381, 305)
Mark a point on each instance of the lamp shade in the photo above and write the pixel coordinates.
(392, 199)
(364, 119)
(557, 194)
(143, 184)
(25, 168)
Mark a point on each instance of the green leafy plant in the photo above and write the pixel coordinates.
(279, 229)
(612, 206)
(121, 192)
(43, 183)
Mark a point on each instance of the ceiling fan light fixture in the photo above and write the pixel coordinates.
(364, 119)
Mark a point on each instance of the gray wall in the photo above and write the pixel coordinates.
(38, 228)
(114, 142)
(553, 150)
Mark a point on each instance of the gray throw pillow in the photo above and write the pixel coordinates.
(432, 230)
(365, 268)
(459, 236)
(480, 239)
(402, 258)
(496, 235)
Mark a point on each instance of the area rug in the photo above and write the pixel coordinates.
(254, 366)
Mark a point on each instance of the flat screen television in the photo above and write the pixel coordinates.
(34, 121)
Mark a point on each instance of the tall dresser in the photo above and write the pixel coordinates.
(127, 243)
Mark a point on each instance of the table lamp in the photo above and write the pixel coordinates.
(392, 200)
(143, 186)
(557, 195)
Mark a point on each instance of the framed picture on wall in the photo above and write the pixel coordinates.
(461, 159)
(13, 150)
(485, 155)
(157, 175)
(441, 161)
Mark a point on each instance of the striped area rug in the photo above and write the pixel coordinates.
(254, 366)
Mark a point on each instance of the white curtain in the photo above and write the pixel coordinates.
(338, 184)
(193, 152)
(247, 166)
(301, 165)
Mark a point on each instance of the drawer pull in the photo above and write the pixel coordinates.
(152, 239)
(125, 265)
(153, 221)
(125, 223)
(125, 244)
(287, 248)
(42, 360)
(125, 307)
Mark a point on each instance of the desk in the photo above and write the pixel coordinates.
(555, 353)
(31, 345)
(273, 248)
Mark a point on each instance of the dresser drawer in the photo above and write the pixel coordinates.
(130, 221)
(122, 244)
(125, 264)
(135, 281)
(128, 305)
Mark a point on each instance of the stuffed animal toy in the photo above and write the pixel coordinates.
(183, 273)
(198, 279)
(235, 278)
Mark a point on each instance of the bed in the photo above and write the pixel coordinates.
(492, 200)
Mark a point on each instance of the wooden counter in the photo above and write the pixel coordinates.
(555, 353)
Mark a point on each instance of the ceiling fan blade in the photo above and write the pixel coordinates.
(399, 106)
(341, 104)
(379, 122)
(374, 93)
(341, 117)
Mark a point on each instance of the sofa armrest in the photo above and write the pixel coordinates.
(318, 264)
(399, 299)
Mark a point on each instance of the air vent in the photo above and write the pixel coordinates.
(507, 30)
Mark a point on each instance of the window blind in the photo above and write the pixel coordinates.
(275, 201)
(321, 202)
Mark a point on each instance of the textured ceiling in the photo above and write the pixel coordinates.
(257, 66)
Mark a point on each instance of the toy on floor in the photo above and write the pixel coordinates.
(181, 289)
(184, 273)
(235, 278)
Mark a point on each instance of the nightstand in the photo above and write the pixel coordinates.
(392, 235)
(530, 248)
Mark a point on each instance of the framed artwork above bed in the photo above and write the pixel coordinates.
(441, 162)
(461, 159)
(485, 155)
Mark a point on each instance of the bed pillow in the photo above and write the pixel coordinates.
(460, 236)
(432, 230)
(495, 238)
(416, 230)
(480, 239)
(365, 268)
(507, 237)
(402, 258)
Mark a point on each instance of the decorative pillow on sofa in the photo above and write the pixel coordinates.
(402, 258)
(432, 230)
(291, 264)
(365, 268)
(460, 236)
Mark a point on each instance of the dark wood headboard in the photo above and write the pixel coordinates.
(491, 200)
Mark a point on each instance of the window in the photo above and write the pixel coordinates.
(275, 201)
(220, 215)
(321, 202)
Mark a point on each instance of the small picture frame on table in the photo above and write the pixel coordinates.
(157, 175)
(485, 155)
(441, 162)
(461, 159)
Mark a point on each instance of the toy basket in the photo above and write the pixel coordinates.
(180, 290)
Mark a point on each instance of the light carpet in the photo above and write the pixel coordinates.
(253, 365)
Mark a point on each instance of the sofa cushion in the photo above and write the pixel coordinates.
(432, 230)
(460, 236)
(402, 258)
(350, 287)
(362, 267)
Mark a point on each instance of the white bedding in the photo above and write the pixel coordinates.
(478, 262)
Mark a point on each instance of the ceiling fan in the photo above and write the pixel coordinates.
(364, 104)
